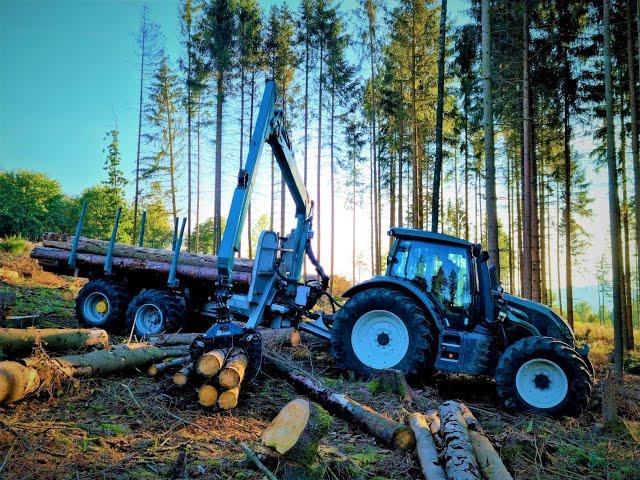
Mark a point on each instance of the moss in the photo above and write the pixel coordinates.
(323, 418)
(115, 429)
(368, 456)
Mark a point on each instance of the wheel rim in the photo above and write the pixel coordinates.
(380, 339)
(542, 383)
(96, 308)
(149, 319)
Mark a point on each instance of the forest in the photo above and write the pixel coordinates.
(507, 123)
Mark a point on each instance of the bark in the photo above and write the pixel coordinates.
(542, 243)
(55, 260)
(387, 430)
(136, 194)
(229, 398)
(234, 369)
(217, 208)
(14, 340)
(426, 448)
(21, 379)
(159, 368)
(207, 395)
(487, 120)
(609, 388)
(210, 363)
(437, 171)
(168, 339)
(626, 283)
(297, 430)
(99, 247)
(459, 456)
(333, 186)
(567, 201)
(614, 201)
(256, 461)
(526, 161)
(172, 164)
(319, 163)
(535, 224)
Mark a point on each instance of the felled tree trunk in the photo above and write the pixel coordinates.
(460, 460)
(392, 381)
(488, 459)
(229, 398)
(159, 368)
(426, 448)
(99, 247)
(210, 363)
(391, 432)
(181, 377)
(233, 372)
(207, 395)
(297, 430)
(20, 379)
(14, 340)
(168, 339)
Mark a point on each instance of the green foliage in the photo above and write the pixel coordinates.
(31, 203)
(115, 178)
(15, 245)
(159, 228)
(103, 203)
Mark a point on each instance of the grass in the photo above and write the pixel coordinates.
(15, 245)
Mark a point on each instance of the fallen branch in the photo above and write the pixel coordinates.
(389, 431)
(256, 461)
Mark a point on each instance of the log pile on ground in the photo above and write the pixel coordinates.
(219, 374)
(452, 445)
(54, 254)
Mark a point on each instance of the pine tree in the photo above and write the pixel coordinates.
(439, 118)
(116, 181)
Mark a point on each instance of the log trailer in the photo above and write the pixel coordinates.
(437, 307)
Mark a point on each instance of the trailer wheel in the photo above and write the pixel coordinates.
(155, 312)
(102, 303)
(543, 374)
(381, 328)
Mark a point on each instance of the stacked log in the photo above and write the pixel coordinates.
(452, 445)
(23, 340)
(91, 253)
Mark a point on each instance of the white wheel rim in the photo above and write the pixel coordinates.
(149, 319)
(380, 339)
(542, 383)
(96, 308)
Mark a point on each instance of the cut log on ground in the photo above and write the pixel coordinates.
(99, 247)
(210, 363)
(20, 379)
(48, 255)
(233, 372)
(489, 461)
(229, 398)
(14, 340)
(297, 430)
(181, 377)
(391, 432)
(460, 459)
(392, 381)
(168, 339)
(207, 395)
(160, 368)
(426, 448)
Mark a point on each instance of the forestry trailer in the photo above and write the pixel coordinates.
(437, 307)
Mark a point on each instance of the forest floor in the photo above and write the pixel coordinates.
(137, 427)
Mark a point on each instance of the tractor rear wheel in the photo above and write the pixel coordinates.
(381, 328)
(543, 374)
(154, 312)
(102, 303)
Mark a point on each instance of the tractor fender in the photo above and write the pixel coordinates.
(400, 285)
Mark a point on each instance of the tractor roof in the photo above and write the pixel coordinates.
(428, 236)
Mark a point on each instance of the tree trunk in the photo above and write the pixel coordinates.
(229, 398)
(535, 224)
(21, 379)
(172, 163)
(210, 363)
(159, 368)
(558, 245)
(207, 395)
(568, 222)
(426, 448)
(437, 171)
(466, 164)
(198, 183)
(15, 340)
(461, 462)
(626, 255)
(543, 227)
(487, 120)
(384, 428)
(333, 188)
(136, 194)
(232, 374)
(319, 165)
(189, 114)
(614, 202)
(217, 196)
(527, 274)
(182, 376)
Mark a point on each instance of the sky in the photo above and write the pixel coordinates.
(69, 72)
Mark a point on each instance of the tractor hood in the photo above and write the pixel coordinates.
(542, 317)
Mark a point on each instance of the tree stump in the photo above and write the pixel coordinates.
(391, 381)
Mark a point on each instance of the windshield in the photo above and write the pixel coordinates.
(443, 270)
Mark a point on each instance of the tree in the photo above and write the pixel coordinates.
(148, 41)
(158, 227)
(162, 114)
(490, 168)
(614, 202)
(217, 36)
(435, 200)
(116, 180)
(103, 204)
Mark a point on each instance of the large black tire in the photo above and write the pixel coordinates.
(102, 303)
(538, 385)
(158, 312)
(421, 344)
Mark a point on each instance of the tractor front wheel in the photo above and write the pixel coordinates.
(543, 374)
(102, 303)
(381, 328)
(154, 312)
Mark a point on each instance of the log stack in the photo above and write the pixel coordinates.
(219, 372)
(91, 253)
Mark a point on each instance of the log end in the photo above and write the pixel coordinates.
(207, 395)
(210, 363)
(404, 438)
(180, 378)
(152, 371)
(229, 398)
(229, 378)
